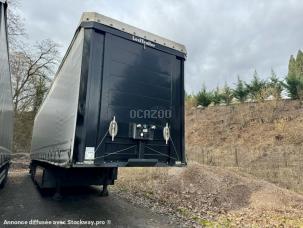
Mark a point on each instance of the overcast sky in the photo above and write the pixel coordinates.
(223, 38)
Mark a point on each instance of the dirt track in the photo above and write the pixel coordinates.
(21, 201)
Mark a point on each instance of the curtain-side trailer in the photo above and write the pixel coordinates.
(6, 105)
(117, 100)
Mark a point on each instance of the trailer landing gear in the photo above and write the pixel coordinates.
(58, 196)
(104, 191)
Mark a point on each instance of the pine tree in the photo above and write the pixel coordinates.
(276, 85)
(240, 92)
(294, 86)
(294, 79)
(256, 87)
(299, 64)
(227, 94)
(292, 66)
(216, 96)
(204, 97)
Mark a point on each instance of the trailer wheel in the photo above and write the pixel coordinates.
(104, 191)
(4, 180)
(58, 194)
(32, 171)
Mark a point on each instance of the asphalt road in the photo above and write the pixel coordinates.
(21, 202)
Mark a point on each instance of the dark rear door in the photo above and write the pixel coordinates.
(142, 88)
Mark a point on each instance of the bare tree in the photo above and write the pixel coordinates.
(32, 71)
(15, 24)
(31, 65)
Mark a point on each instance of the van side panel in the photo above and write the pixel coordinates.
(6, 105)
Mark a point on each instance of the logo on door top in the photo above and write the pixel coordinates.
(142, 41)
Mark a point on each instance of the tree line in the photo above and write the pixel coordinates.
(257, 89)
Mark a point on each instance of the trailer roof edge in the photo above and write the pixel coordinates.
(99, 18)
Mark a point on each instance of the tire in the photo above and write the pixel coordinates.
(4, 180)
(32, 171)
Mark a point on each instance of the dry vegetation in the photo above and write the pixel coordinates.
(263, 139)
(212, 196)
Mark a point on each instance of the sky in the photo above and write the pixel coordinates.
(224, 39)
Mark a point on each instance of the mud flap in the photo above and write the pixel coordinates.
(141, 162)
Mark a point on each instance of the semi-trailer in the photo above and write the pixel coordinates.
(6, 103)
(117, 100)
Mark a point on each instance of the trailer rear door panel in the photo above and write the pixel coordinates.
(137, 82)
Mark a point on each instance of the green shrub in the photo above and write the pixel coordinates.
(204, 97)
(190, 100)
(241, 91)
(294, 86)
(216, 96)
(276, 86)
(256, 88)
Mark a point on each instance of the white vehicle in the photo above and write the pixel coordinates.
(6, 105)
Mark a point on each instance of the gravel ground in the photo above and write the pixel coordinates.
(20, 201)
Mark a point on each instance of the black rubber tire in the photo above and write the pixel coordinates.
(4, 180)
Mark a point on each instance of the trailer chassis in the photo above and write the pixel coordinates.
(48, 176)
